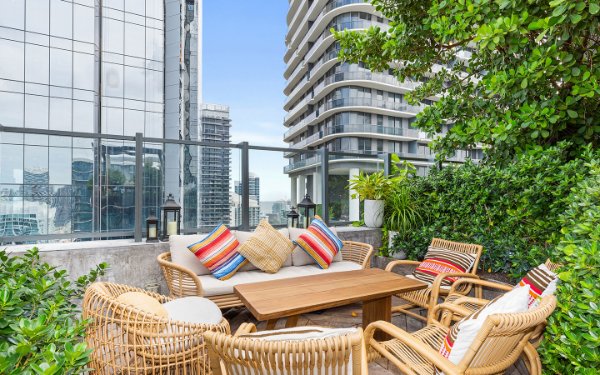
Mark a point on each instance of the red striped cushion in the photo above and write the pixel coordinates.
(439, 261)
(320, 243)
(541, 281)
(218, 252)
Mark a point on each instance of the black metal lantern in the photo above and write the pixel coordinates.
(152, 228)
(307, 208)
(171, 217)
(293, 216)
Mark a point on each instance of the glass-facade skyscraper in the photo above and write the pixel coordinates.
(92, 66)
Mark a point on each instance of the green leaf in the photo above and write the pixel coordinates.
(594, 8)
(572, 114)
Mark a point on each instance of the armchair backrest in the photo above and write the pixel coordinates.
(467, 248)
(126, 339)
(503, 337)
(244, 355)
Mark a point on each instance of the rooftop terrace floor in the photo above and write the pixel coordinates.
(341, 317)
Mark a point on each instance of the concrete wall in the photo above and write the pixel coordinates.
(134, 263)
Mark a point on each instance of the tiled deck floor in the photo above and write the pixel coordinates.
(342, 317)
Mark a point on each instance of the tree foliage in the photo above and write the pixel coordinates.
(509, 74)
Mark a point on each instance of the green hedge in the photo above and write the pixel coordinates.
(512, 211)
(572, 340)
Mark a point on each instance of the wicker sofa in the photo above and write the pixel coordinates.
(186, 277)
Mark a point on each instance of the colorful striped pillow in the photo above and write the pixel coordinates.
(443, 261)
(319, 242)
(542, 282)
(218, 252)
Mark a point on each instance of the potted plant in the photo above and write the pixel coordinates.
(402, 214)
(371, 189)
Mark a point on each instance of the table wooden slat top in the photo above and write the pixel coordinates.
(288, 297)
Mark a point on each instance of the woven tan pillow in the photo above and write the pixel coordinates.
(267, 249)
(143, 302)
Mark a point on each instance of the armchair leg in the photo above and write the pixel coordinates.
(532, 360)
(405, 309)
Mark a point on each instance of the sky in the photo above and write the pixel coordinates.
(243, 48)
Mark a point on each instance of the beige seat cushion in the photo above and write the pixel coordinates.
(243, 236)
(267, 249)
(300, 257)
(214, 287)
(143, 302)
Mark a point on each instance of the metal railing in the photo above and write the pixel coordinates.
(138, 149)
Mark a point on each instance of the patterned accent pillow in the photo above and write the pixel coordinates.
(542, 282)
(462, 334)
(443, 261)
(319, 242)
(267, 249)
(218, 252)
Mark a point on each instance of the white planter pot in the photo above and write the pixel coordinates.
(399, 254)
(374, 213)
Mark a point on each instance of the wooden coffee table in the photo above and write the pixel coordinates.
(288, 298)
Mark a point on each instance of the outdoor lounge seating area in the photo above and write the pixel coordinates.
(234, 325)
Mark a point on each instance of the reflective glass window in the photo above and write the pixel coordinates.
(60, 114)
(83, 71)
(154, 125)
(113, 80)
(12, 55)
(134, 122)
(112, 35)
(83, 23)
(83, 116)
(61, 67)
(112, 120)
(11, 164)
(37, 63)
(36, 168)
(61, 19)
(154, 9)
(36, 112)
(115, 4)
(59, 165)
(134, 83)
(38, 16)
(135, 6)
(154, 86)
(154, 44)
(13, 14)
(11, 109)
(134, 40)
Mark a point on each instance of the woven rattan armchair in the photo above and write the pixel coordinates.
(499, 344)
(474, 304)
(126, 340)
(233, 355)
(183, 282)
(427, 298)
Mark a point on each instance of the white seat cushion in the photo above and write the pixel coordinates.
(193, 310)
(300, 257)
(213, 287)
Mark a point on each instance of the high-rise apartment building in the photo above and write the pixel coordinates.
(254, 195)
(116, 67)
(215, 166)
(343, 106)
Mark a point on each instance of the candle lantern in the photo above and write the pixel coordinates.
(152, 228)
(307, 208)
(171, 217)
(292, 217)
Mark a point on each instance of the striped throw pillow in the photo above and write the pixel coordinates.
(462, 334)
(319, 242)
(218, 252)
(443, 261)
(542, 282)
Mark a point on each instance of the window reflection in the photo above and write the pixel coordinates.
(11, 164)
(12, 14)
(134, 122)
(83, 71)
(134, 40)
(37, 64)
(112, 121)
(135, 6)
(113, 80)
(12, 55)
(60, 114)
(154, 9)
(112, 35)
(61, 67)
(38, 19)
(61, 18)
(11, 109)
(36, 112)
(83, 116)
(83, 23)
(134, 83)
(59, 166)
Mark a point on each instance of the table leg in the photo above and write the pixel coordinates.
(377, 309)
(292, 321)
(271, 324)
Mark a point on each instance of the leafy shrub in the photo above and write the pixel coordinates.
(512, 211)
(572, 341)
(40, 325)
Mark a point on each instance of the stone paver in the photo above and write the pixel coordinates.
(346, 316)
